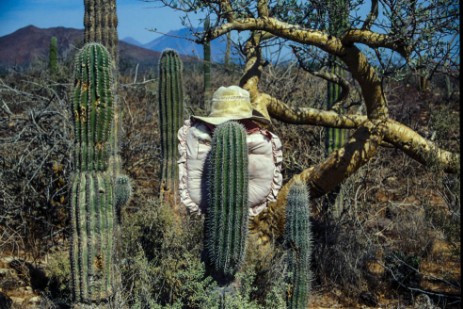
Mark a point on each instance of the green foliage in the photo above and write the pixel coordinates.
(92, 107)
(162, 265)
(227, 215)
(161, 260)
(53, 56)
(298, 239)
(92, 224)
(171, 108)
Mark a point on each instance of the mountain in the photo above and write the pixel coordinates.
(132, 41)
(30, 45)
(183, 42)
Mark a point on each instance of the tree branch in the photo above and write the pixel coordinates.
(371, 16)
(395, 133)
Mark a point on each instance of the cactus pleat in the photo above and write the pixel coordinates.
(93, 104)
(227, 208)
(298, 239)
(171, 114)
(92, 219)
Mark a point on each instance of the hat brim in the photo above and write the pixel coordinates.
(220, 120)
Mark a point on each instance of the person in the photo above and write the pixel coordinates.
(264, 151)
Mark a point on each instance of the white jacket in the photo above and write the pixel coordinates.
(265, 157)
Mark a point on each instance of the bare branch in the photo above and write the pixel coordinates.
(371, 16)
(395, 133)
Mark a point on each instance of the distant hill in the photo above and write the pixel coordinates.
(183, 41)
(132, 41)
(30, 44)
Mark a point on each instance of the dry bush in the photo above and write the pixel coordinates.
(35, 135)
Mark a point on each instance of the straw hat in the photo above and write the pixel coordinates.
(231, 103)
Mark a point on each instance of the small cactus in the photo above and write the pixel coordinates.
(227, 209)
(122, 190)
(53, 57)
(171, 107)
(298, 240)
(93, 107)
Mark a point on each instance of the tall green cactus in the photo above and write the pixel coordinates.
(92, 201)
(92, 222)
(171, 108)
(100, 22)
(338, 22)
(207, 68)
(93, 107)
(298, 239)
(335, 137)
(53, 56)
(227, 209)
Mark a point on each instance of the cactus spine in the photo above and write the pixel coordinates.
(227, 214)
(207, 67)
(171, 108)
(92, 204)
(298, 239)
(53, 56)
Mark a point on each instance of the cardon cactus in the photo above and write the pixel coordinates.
(227, 209)
(92, 223)
(171, 109)
(298, 240)
(92, 107)
(92, 202)
(100, 21)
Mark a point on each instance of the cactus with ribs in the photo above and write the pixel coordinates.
(92, 210)
(298, 241)
(171, 106)
(227, 209)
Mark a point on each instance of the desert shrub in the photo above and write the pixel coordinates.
(34, 148)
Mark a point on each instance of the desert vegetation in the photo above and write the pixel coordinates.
(384, 206)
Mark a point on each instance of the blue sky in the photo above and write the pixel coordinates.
(135, 16)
